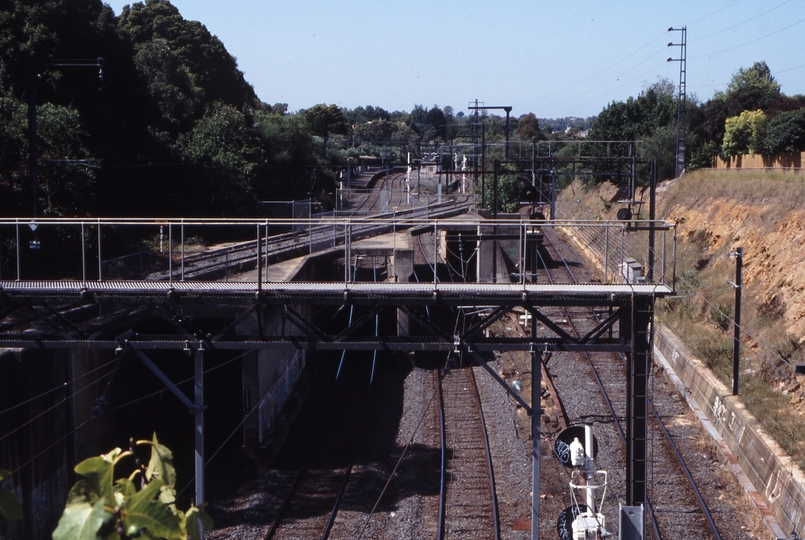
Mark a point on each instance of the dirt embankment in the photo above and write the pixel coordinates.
(716, 212)
(764, 214)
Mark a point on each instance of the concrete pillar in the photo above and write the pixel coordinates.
(403, 269)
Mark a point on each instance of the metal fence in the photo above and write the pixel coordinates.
(73, 249)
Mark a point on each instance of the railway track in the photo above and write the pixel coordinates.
(468, 501)
(218, 263)
(678, 506)
(314, 498)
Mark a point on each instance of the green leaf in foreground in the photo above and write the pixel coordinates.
(161, 464)
(81, 522)
(143, 512)
(197, 519)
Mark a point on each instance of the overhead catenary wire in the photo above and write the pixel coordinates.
(56, 388)
(55, 405)
(698, 38)
(707, 55)
(55, 443)
(696, 291)
(188, 379)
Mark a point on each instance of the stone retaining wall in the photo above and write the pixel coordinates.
(767, 474)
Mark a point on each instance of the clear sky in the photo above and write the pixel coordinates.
(552, 58)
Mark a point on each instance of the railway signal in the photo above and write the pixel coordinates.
(585, 479)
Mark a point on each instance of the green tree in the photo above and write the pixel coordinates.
(662, 144)
(325, 120)
(214, 70)
(226, 149)
(289, 149)
(749, 90)
(376, 130)
(142, 504)
(63, 188)
(528, 128)
(509, 186)
(416, 120)
(744, 133)
(170, 83)
(651, 117)
(786, 132)
(436, 123)
(758, 76)
(635, 119)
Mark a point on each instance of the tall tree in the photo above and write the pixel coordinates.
(325, 120)
(786, 132)
(528, 128)
(201, 53)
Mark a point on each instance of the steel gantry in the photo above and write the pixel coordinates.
(40, 307)
(196, 317)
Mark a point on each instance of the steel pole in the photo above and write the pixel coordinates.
(736, 346)
(33, 151)
(198, 388)
(536, 433)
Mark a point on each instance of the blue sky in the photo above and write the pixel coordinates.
(552, 58)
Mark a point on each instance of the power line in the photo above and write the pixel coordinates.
(731, 5)
(596, 74)
(61, 386)
(742, 23)
(595, 98)
(750, 42)
(56, 405)
(58, 441)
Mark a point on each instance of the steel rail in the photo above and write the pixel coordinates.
(604, 394)
(354, 451)
(443, 488)
(686, 471)
(492, 487)
(287, 245)
(443, 456)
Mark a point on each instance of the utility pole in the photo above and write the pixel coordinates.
(33, 150)
(506, 108)
(736, 345)
(681, 98)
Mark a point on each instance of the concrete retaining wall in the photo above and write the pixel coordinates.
(771, 478)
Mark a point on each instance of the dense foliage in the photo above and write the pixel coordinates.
(751, 116)
(171, 127)
(166, 124)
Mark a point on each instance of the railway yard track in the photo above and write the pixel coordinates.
(468, 501)
(424, 464)
(220, 262)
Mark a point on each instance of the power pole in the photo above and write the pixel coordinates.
(681, 98)
(33, 150)
(506, 108)
(736, 345)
